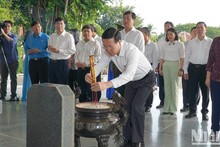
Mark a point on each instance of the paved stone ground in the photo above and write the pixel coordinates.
(20, 79)
(160, 130)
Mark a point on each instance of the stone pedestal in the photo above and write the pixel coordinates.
(50, 116)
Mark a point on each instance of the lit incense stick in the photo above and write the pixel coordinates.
(92, 71)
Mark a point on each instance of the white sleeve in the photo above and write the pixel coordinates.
(130, 70)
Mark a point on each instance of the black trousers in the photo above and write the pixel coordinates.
(185, 86)
(161, 89)
(58, 71)
(215, 95)
(136, 93)
(149, 100)
(72, 78)
(13, 67)
(86, 93)
(197, 77)
(38, 70)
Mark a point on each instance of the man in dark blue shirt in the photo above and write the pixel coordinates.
(9, 60)
(36, 48)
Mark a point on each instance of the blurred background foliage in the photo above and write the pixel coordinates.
(101, 13)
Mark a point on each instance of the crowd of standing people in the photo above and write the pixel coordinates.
(137, 64)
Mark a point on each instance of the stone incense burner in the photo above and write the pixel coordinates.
(100, 120)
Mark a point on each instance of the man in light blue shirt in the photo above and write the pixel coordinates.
(36, 48)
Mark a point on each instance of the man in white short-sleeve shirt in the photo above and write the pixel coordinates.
(130, 33)
(197, 53)
(152, 54)
(61, 47)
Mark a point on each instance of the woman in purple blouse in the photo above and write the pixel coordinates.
(213, 81)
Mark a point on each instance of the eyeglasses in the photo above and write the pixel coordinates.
(109, 47)
(127, 19)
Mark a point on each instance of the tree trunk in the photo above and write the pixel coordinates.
(66, 7)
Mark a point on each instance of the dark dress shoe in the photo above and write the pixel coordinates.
(190, 115)
(12, 99)
(127, 144)
(184, 109)
(205, 117)
(165, 113)
(147, 109)
(2, 98)
(171, 113)
(159, 106)
(138, 144)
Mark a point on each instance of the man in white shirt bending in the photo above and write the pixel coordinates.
(137, 77)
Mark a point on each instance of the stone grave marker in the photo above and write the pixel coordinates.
(50, 116)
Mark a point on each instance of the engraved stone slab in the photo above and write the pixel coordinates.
(50, 116)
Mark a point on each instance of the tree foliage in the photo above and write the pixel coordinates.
(114, 15)
(5, 10)
(44, 11)
(85, 11)
(76, 12)
(184, 27)
(101, 13)
(212, 32)
(9, 11)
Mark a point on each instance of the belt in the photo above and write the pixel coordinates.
(62, 60)
(146, 75)
(149, 73)
(36, 59)
(198, 65)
